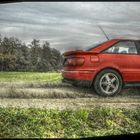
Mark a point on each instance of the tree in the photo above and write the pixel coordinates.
(35, 53)
(46, 57)
(56, 59)
(17, 56)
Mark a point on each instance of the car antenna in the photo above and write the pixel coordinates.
(103, 32)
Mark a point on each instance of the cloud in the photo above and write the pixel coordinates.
(70, 25)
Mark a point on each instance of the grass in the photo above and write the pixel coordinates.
(43, 123)
(65, 123)
(44, 85)
(34, 85)
(30, 77)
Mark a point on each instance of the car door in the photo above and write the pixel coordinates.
(137, 43)
(125, 55)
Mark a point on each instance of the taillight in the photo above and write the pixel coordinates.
(80, 61)
(75, 61)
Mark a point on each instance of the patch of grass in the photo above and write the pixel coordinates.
(43, 123)
(30, 77)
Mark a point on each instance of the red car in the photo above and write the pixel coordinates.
(108, 67)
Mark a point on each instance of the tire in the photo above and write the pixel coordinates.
(108, 83)
(74, 85)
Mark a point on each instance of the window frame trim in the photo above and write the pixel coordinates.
(138, 46)
(138, 50)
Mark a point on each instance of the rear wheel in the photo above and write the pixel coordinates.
(108, 83)
(74, 84)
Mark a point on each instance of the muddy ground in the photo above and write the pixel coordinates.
(62, 96)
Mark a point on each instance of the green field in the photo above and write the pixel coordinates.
(42, 123)
(79, 115)
(30, 77)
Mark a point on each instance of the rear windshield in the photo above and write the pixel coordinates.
(94, 45)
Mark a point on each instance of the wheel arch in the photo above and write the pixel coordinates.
(115, 69)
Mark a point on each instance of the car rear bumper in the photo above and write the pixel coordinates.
(83, 83)
(78, 77)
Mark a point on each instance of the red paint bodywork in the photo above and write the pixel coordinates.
(127, 65)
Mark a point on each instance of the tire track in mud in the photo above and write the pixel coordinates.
(62, 96)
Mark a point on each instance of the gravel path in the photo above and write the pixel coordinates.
(70, 103)
(64, 103)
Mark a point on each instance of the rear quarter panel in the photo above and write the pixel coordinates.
(127, 65)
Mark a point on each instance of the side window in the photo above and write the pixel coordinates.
(123, 47)
(138, 46)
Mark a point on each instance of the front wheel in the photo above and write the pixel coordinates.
(108, 83)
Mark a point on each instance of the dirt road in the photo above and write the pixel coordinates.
(62, 96)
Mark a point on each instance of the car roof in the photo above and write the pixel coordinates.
(109, 43)
(119, 39)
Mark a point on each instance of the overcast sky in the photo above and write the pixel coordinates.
(70, 25)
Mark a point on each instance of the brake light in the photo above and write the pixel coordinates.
(76, 61)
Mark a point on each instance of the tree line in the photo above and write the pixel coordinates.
(18, 56)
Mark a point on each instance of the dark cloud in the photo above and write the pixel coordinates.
(69, 25)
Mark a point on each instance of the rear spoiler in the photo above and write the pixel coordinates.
(78, 53)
